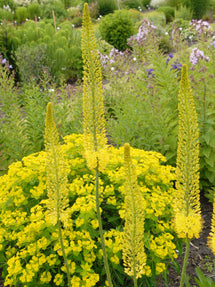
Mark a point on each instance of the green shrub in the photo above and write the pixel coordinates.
(183, 13)
(199, 8)
(77, 21)
(57, 6)
(174, 3)
(107, 6)
(21, 14)
(9, 3)
(94, 10)
(6, 15)
(116, 28)
(61, 54)
(168, 11)
(29, 240)
(137, 16)
(157, 18)
(31, 60)
(165, 45)
(73, 12)
(132, 4)
(145, 3)
(34, 10)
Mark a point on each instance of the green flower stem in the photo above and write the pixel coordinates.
(185, 262)
(64, 254)
(101, 229)
(59, 225)
(135, 281)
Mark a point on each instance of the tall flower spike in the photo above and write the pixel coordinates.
(56, 181)
(95, 140)
(188, 222)
(133, 247)
(56, 171)
(211, 239)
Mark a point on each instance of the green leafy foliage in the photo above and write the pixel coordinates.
(59, 52)
(107, 6)
(199, 8)
(6, 15)
(202, 280)
(34, 10)
(168, 11)
(23, 114)
(21, 14)
(116, 28)
(132, 4)
(156, 17)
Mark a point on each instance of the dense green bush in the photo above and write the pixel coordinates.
(61, 54)
(9, 3)
(34, 11)
(168, 11)
(57, 6)
(31, 61)
(5, 15)
(183, 12)
(94, 10)
(145, 3)
(199, 8)
(21, 14)
(116, 28)
(107, 6)
(132, 4)
(157, 18)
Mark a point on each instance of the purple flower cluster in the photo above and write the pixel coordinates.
(175, 65)
(170, 56)
(4, 62)
(200, 26)
(112, 58)
(144, 30)
(150, 72)
(197, 55)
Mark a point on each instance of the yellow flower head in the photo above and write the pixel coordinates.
(134, 256)
(95, 141)
(56, 171)
(187, 204)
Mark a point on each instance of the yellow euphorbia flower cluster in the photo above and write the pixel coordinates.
(29, 241)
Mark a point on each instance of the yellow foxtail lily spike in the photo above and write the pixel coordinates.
(188, 222)
(134, 256)
(56, 171)
(95, 140)
(211, 239)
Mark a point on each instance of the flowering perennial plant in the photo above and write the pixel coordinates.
(143, 38)
(133, 246)
(56, 170)
(188, 222)
(196, 55)
(56, 182)
(93, 107)
(202, 27)
(29, 242)
(211, 239)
